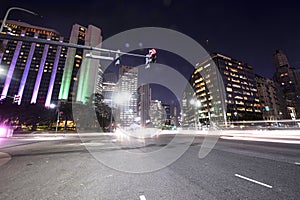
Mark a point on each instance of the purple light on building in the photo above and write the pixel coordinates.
(40, 74)
(11, 70)
(26, 71)
(52, 79)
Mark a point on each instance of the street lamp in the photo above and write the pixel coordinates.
(14, 8)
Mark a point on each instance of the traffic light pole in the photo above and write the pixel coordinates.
(58, 43)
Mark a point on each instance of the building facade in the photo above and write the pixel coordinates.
(227, 91)
(268, 94)
(45, 73)
(144, 99)
(32, 71)
(157, 114)
(127, 97)
(288, 80)
(81, 76)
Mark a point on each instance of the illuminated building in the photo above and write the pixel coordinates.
(127, 95)
(78, 84)
(240, 101)
(157, 114)
(288, 80)
(44, 73)
(167, 109)
(269, 96)
(33, 71)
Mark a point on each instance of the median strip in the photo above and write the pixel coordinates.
(254, 181)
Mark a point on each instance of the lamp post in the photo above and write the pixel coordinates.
(14, 8)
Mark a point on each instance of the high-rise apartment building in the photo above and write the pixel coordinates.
(32, 71)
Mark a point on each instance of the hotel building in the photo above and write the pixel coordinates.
(45, 73)
(31, 70)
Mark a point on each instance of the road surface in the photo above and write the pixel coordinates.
(61, 167)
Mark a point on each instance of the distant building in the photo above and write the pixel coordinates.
(269, 96)
(175, 117)
(239, 101)
(109, 87)
(127, 95)
(167, 109)
(144, 98)
(33, 71)
(157, 114)
(288, 79)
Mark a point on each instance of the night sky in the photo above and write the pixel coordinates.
(249, 31)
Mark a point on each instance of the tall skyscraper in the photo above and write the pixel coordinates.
(127, 95)
(32, 71)
(144, 98)
(80, 86)
(288, 80)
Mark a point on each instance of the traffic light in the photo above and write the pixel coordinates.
(150, 57)
(16, 98)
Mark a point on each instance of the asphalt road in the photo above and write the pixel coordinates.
(65, 168)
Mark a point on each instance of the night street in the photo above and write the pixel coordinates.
(61, 168)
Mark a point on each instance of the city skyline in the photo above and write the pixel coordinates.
(247, 31)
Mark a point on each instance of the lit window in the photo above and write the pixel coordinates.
(238, 97)
(229, 89)
(237, 86)
(233, 70)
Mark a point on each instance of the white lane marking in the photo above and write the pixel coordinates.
(288, 141)
(297, 163)
(142, 197)
(254, 181)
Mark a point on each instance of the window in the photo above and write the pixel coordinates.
(228, 89)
